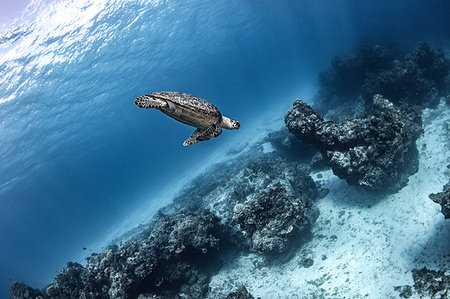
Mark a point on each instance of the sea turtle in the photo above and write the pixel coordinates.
(190, 110)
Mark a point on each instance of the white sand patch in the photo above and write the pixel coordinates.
(267, 148)
(363, 245)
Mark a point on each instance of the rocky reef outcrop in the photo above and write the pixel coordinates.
(20, 290)
(377, 152)
(417, 78)
(240, 293)
(175, 258)
(427, 284)
(431, 283)
(443, 198)
(344, 79)
(250, 187)
(273, 218)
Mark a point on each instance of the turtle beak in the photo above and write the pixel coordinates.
(237, 125)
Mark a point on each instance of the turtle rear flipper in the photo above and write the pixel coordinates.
(203, 134)
(148, 101)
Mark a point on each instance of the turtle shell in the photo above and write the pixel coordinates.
(189, 109)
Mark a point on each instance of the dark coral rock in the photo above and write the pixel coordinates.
(346, 74)
(427, 284)
(241, 293)
(18, 290)
(253, 176)
(343, 81)
(443, 198)
(377, 152)
(417, 78)
(150, 296)
(273, 219)
(73, 282)
(307, 262)
(405, 291)
(175, 258)
(431, 283)
(432, 63)
(224, 185)
(191, 231)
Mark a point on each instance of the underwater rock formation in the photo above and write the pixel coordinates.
(257, 183)
(443, 198)
(176, 258)
(225, 184)
(418, 78)
(431, 283)
(241, 293)
(427, 284)
(376, 152)
(343, 80)
(20, 290)
(273, 219)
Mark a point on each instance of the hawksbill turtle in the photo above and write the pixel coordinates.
(189, 110)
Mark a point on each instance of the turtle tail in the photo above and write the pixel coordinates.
(148, 101)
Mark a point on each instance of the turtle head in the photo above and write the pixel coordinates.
(230, 124)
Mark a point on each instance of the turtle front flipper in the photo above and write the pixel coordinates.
(148, 101)
(203, 134)
(193, 138)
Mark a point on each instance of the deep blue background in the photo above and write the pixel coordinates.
(77, 157)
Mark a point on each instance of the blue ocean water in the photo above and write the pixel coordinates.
(77, 157)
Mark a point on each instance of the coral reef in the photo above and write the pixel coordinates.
(224, 185)
(431, 283)
(273, 219)
(240, 293)
(443, 198)
(344, 79)
(18, 290)
(177, 254)
(376, 152)
(418, 78)
(176, 258)
(427, 284)
(257, 183)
